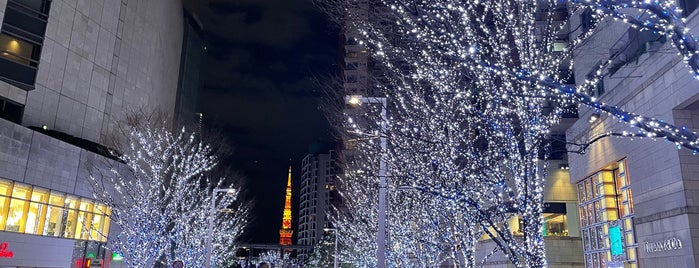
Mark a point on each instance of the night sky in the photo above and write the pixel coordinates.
(258, 88)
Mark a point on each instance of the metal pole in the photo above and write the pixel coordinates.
(210, 231)
(250, 257)
(381, 236)
(381, 233)
(335, 264)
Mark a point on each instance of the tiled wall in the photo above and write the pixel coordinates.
(100, 59)
(40, 160)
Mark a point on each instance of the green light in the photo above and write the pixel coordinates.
(544, 231)
(116, 256)
(617, 246)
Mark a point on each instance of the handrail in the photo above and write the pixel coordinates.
(26, 10)
(13, 28)
(19, 56)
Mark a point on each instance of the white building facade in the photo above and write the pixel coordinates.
(318, 176)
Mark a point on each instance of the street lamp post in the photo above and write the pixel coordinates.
(210, 230)
(336, 234)
(381, 234)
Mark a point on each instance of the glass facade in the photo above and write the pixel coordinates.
(606, 201)
(38, 211)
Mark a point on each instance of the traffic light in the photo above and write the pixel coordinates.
(88, 263)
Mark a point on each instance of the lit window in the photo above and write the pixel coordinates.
(606, 201)
(72, 215)
(54, 215)
(37, 211)
(97, 229)
(16, 217)
(5, 192)
(23, 29)
(15, 49)
(34, 210)
(84, 219)
(559, 46)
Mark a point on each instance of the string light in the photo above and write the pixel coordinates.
(474, 88)
(159, 200)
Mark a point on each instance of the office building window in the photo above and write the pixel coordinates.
(606, 206)
(34, 210)
(21, 38)
(11, 111)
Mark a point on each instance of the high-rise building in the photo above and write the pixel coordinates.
(286, 232)
(318, 176)
(70, 70)
(193, 53)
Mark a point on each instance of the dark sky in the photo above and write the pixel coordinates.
(263, 56)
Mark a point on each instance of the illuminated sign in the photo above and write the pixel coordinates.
(617, 246)
(4, 252)
(116, 256)
(664, 245)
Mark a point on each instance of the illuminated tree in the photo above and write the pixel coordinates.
(473, 89)
(159, 197)
(323, 253)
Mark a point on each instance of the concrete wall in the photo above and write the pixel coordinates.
(36, 251)
(561, 252)
(100, 59)
(34, 158)
(663, 178)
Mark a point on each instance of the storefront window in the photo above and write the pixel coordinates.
(54, 215)
(16, 217)
(84, 219)
(96, 227)
(70, 217)
(34, 210)
(5, 193)
(98, 223)
(555, 225)
(105, 226)
(37, 211)
(612, 205)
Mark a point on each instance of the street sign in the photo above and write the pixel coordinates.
(178, 264)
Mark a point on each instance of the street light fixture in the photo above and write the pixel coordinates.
(356, 100)
(594, 117)
(336, 234)
(210, 236)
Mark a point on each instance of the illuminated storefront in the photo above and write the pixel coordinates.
(606, 218)
(33, 210)
(46, 228)
(560, 228)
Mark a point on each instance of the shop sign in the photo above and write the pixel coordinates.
(664, 245)
(616, 245)
(4, 252)
(554, 207)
